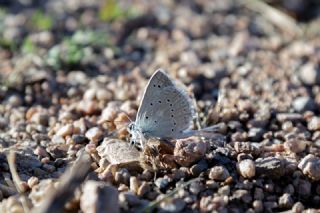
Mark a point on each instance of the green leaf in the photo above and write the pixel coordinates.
(41, 21)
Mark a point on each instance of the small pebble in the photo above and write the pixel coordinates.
(314, 124)
(304, 103)
(297, 207)
(188, 151)
(310, 74)
(172, 205)
(32, 181)
(94, 134)
(129, 198)
(247, 168)
(162, 183)
(310, 166)
(65, 130)
(270, 167)
(286, 201)
(218, 173)
(257, 205)
(224, 190)
(41, 152)
(196, 169)
(294, 145)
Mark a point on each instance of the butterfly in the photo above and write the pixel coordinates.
(166, 112)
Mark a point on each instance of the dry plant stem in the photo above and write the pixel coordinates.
(68, 183)
(11, 157)
(154, 204)
(275, 16)
(16, 179)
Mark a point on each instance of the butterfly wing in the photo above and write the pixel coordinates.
(165, 110)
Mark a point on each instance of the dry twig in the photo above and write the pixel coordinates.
(68, 183)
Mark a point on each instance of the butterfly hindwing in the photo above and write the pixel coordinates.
(165, 110)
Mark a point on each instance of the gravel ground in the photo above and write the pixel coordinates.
(73, 71)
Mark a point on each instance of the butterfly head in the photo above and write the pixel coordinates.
(134, 133)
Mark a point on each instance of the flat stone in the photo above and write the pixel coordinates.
(282, 117)
(270, 167)
(119, 153)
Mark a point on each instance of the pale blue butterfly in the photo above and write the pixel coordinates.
(166, 112)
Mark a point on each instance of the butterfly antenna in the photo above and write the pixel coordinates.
(127, 115)
(221, 96)
(197, 117)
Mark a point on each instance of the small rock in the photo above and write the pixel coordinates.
(172, 205)
(87, 107)
(294, 145)
(257, 205)
(94, 134)
(41, 152)
(109, 113)
(201, 166)
(196, 187)
(258, 193)
(304, 188)
(79, 139)
(304, 103)
(162, 183)
(103, 95)
(178, 174)
(270, 167)
(298, 207)
(188, 151)
(242, 195)
(286, 201)
(90, 94)
(314, 124)
(247, 168)
(98, 196)
(310, 166)
(119, 153)
(224, 190)
(32, 181)
(122, 176)
(14, 100)
(255, 134)
(57, 139)
(247, 148)
(294, 117)
(40, 118)
(310, 74)
(57, 151)
(65, 130)
(128, 198)
(219, 173)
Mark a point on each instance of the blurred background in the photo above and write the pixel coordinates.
(103, 35)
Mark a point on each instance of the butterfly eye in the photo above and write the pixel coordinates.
(130, 135)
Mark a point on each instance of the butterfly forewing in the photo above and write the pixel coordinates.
(165, 110)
